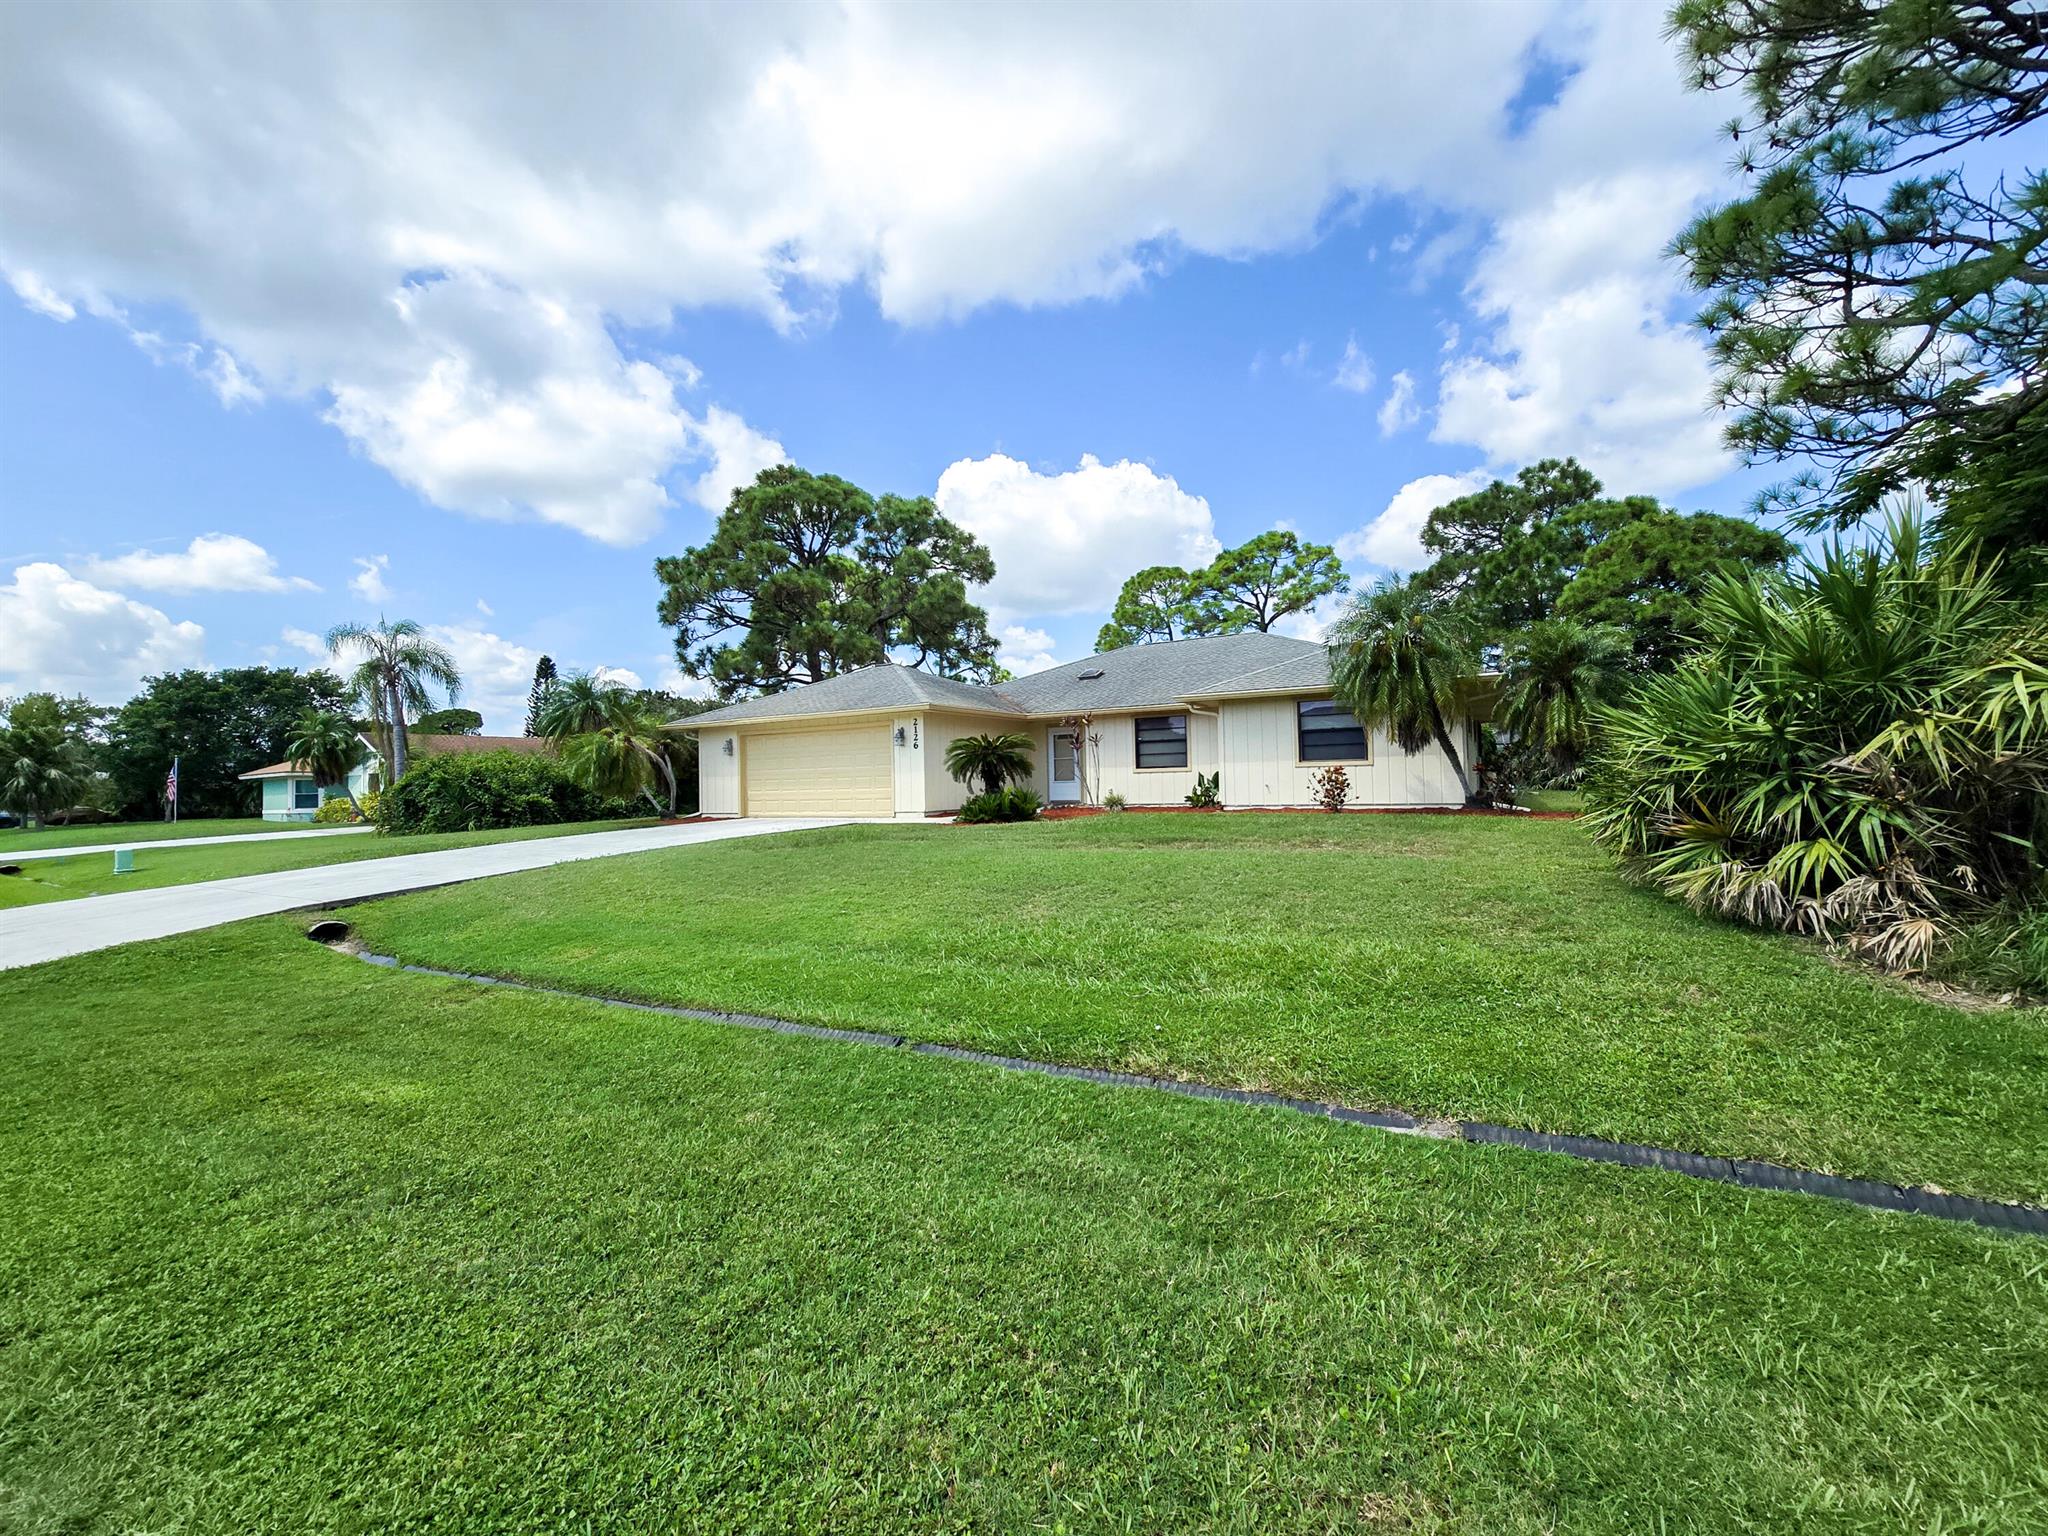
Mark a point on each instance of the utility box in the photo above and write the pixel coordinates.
(124, 861)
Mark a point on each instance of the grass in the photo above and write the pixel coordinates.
(1553, 800)
(1483, 968)
(14, 840)
(93, 874)
(294, 1244)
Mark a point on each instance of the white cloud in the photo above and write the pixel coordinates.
(674, 680)
(1064, 543)
(305, 640)
(40, 297)
(1354, 369)
(496, 674)
(1023, 650)
(368, 583)
(625, 677)
(1394, 538)
(213, 562)
(737, 453)
(69, 636)
(485, 608)
(1314, 622)
(1398, 411)
(1588, 356)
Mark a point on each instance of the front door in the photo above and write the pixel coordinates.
(1064, 783)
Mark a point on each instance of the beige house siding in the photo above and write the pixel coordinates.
(1261, 766)
(1112, 765)
(718, 776)
(943, 792)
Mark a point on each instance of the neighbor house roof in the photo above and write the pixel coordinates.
(291, 770)
(1137, 677)
(448, 746)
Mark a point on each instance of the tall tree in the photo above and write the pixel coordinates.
(1503, 554)
(807, 576)
(218, 725)
(1646, 576)
(1158, 603)
(537, 695)
(1872, 311)
(45, 764)
(1398, 657)
(611, 738)
(1264, 580)
(450, 722)
(397, 669)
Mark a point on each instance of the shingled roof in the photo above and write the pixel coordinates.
(1136, 677)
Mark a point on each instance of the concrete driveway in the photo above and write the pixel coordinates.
(52, 930)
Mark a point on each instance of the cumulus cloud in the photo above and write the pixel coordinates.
(624, 677)
(1064, 543)
(1354, 370)
(674, 680)
(1393, 539)
(213, 562)
(1589, 355)
(1022, 650)
(496, 674)
(1398, 411)
(69, 636)
(304, 640)
(737, 453)
(368, 583)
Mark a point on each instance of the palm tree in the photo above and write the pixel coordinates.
(1397, 657)
(610, 740)
(398, 665)
(1558, 674)
(329, 747)
(41, 767)
(994, 760)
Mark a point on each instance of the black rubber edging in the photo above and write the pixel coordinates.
(1745, 1173)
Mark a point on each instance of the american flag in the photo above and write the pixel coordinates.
(171, 784)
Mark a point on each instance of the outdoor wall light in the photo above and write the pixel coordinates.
(728, 746)
(900, 738)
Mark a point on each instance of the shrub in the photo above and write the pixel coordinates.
(471, 792)
(1860, 751)
(1013, 804)
(1330, 787)
(1113, 801)
(336, 812)
(1207, 794)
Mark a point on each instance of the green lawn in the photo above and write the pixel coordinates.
(1553, 800)
(93, 874)
(1479, 967)
(294, 1244)
(14, 840)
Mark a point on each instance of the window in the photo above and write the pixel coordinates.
(1328, 734)
(1162, 741)
(305, 795)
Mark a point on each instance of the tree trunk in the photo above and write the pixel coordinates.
(397, 724)
(1443, 739)
(668, 776)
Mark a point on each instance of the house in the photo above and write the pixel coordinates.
(1254, 709)
(290, 792)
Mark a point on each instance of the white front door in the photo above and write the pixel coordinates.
(1064, 782)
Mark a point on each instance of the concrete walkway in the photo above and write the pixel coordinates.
(148, 844)
(52, 930)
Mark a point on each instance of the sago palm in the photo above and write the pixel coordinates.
(1397, 658)
(329, 747)
(397, 669)
(1558, 673)
(994, 760)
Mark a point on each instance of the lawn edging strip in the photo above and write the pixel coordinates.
(1745, 1173)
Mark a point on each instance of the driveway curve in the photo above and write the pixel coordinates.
(52, 930)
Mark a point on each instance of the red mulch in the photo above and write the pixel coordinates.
(1069, 812)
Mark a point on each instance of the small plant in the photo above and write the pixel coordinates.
(1330, 787)
(1015, 803)
(1113, 801)
(335, 813)
(1208, 792)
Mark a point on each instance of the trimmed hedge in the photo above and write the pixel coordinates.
(474, 791)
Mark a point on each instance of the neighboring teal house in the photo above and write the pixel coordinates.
(291, 794)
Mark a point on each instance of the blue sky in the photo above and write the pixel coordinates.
(431, 355)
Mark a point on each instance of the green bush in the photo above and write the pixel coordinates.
(336, 812)
(1114, 801)
(1207, 794)
(471, 792)
(1013, 804)
(1858, 751)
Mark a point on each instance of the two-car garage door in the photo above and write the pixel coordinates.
(821, 773)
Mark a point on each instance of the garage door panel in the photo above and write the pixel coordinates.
(821, 773)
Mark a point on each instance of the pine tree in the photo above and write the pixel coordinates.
(537, 695)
